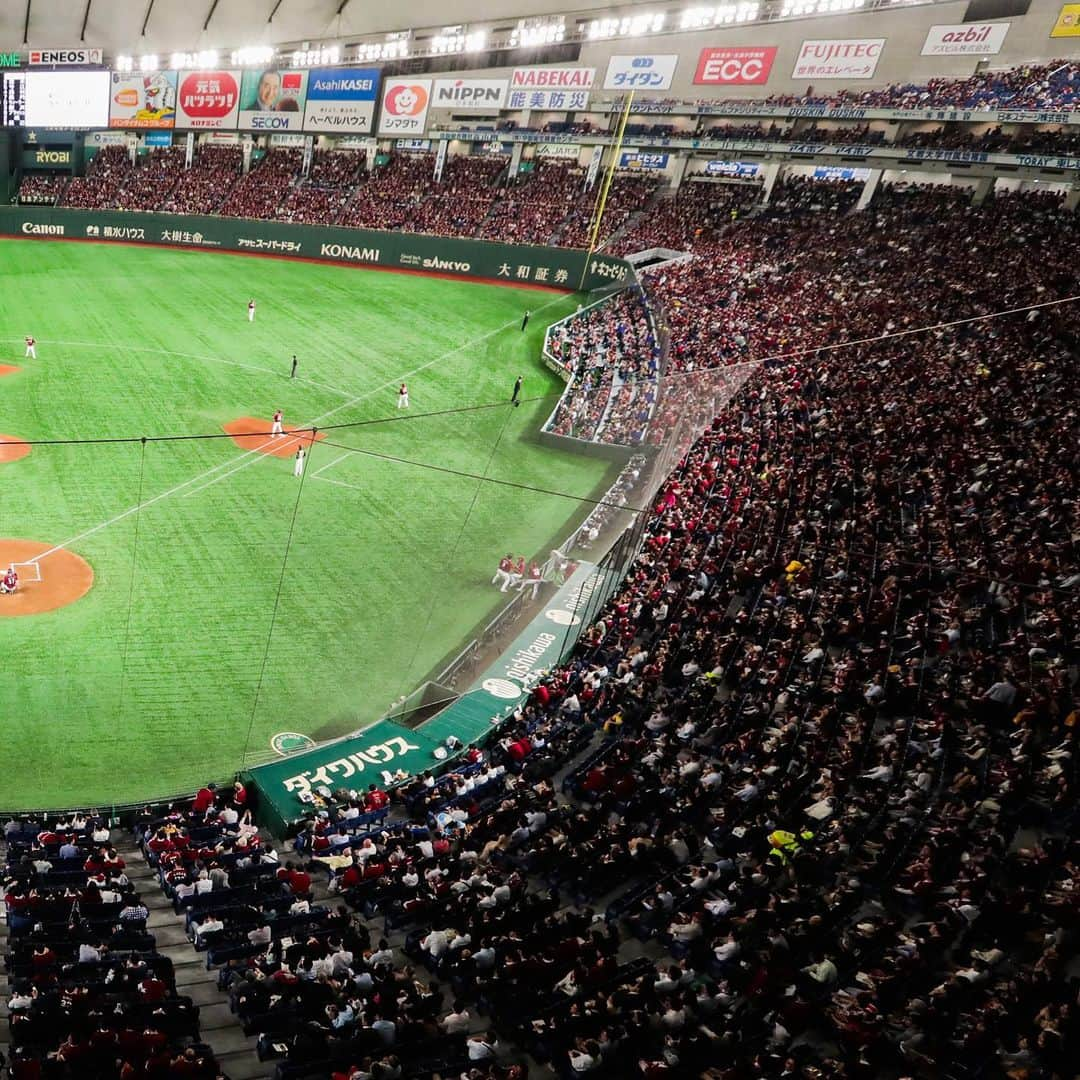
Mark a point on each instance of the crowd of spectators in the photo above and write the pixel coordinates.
(319, 198)
(88, 994)
(1031, 87)
(265, 187)
(41, 189)
(613, 356)
(205, 186)
(832, 770)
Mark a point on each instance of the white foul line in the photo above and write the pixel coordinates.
(252, 455)
(331, 464)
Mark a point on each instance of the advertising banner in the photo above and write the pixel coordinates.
(208, 100)
(415, 146)
(638, 159)
(143, 101)
(744, 170)
(341, 99)
(1068, 22)
(648, 72)
(404, 106)
(65, 57)
(470, 95)
(845, 58)
(559, 150)
(273, 100)
(67, 99)
(550, 88)
(967, 39)
(748, 65)
(840, 172)
(157, 138)
(106, 138)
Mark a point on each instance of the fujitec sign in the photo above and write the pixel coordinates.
(846, 58)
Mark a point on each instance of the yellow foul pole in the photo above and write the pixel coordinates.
(605, 188)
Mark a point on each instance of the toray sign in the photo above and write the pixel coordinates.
(742, 66)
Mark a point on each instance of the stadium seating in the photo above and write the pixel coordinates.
(89, 993)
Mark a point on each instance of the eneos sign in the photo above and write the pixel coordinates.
(735, 66)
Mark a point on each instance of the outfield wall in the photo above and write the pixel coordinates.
(511, 264)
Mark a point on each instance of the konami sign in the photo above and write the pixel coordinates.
(736, 66)
(552, 78)
(967, 39)
(845, 58)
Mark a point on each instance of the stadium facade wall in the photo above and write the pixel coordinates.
(511, 264)
(904, 30)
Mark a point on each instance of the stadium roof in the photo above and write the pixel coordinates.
(170, 25)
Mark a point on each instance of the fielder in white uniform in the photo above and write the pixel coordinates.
(31, 347)
(251, 311)
(276, 429)
(298, 466)
(403, 397)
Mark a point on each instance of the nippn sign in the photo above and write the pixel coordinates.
(469, 94)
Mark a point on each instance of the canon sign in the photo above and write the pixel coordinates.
(32, 228)
(742, 66)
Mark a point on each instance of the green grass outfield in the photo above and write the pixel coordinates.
(146, 686)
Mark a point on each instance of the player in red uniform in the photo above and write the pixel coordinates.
(10, 581)
(502, 575)
(31, 347)
(276, 428)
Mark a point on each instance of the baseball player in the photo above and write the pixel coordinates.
(251, 310)
(31, 347)
(403, 397)
(298, 462)
(276, 429)
(10, 581)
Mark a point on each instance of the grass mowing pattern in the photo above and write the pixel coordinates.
(108, 702)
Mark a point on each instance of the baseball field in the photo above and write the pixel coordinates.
(184, 599)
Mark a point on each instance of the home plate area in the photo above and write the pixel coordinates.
(49, 577)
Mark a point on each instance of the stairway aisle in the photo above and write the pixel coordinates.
(5, 986)
(219, 1027)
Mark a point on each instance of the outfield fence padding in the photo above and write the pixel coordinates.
(510, 264)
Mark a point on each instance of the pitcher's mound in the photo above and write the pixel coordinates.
(57, 579)
(12, 448)
(251, 433)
